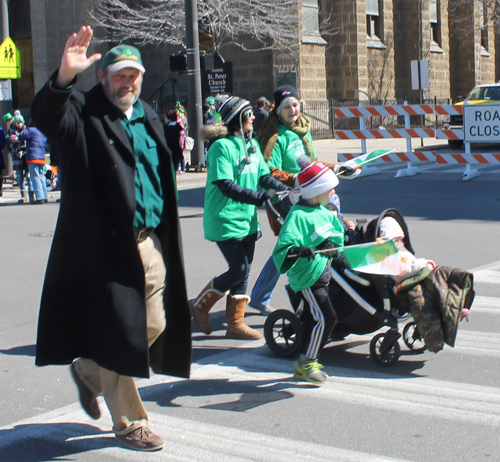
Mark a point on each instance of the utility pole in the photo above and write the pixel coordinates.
(195, 117)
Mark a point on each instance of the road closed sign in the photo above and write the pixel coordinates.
(481, 123)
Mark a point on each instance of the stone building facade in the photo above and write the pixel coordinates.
(368, 57)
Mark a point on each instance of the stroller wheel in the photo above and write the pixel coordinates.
(385, 349)
(412, 338)
(283, 332)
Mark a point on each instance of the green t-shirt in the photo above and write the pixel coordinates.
(287, 148)
(225, 218)
(306, 225)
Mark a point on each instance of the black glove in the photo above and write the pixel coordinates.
(345, 170)
(340, 263)
(268, 195)
(303, 251)
(325, 245)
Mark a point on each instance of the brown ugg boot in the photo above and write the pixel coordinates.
(201, 305)
(235, 312)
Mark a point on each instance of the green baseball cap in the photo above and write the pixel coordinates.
(210, 100)
(121, 57)
(7, 117)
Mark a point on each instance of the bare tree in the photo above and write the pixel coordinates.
(491, 10)
(253, 25)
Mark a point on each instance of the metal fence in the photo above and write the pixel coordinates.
(324, 123)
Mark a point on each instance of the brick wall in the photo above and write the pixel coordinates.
(342, 58)
(380, 58)
(52, 23)
(471, 64)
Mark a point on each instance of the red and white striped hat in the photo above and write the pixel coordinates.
(315, 179)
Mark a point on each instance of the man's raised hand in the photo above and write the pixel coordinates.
(74, 59)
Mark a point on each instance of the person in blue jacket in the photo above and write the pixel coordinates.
(36, 144)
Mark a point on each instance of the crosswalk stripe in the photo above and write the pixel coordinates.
(487, 276)
(185, 440)
(484, 304)
(478, 343)
(418, 396)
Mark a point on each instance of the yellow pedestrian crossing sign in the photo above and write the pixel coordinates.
(10, 60)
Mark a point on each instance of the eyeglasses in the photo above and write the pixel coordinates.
(248, 114)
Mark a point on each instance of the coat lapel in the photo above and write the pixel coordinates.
(111, 120)
(118, 133)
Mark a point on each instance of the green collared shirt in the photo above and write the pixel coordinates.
(148, 191)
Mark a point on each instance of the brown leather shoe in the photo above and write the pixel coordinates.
(142, 439)
(87, 398)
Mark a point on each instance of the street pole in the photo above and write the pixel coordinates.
(195, 117)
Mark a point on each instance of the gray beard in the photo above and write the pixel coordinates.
(115, 98)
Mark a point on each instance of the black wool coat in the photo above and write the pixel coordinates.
(93, 300)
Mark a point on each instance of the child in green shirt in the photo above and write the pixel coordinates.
(309, 227)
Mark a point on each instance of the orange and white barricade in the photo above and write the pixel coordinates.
(406, 133)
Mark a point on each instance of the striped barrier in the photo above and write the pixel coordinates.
(450, 134)
(405, 109)
(424, 156)
(361, 111)
(383, 134)
(463, 159)
(469, 159)
(444, 134)
(408, 133)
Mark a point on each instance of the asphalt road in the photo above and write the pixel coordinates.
(242, 402)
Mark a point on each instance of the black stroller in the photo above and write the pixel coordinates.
(364, 303)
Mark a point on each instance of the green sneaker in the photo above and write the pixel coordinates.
(309, 370)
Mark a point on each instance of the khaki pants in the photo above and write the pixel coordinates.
(120, 391)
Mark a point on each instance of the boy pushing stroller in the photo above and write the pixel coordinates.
(309, 227)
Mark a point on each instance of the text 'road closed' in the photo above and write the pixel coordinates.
(482, 123)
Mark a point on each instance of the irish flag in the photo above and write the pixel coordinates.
(374, 258)
(368, 158)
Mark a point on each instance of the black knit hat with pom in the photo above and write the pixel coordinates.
(230, 107)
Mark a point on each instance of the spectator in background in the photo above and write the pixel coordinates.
(182, 119)
(210, 100)
(208, 118)
(18, 153)
(173, 130)
(36, 144)
(8, 119)
(260, 114)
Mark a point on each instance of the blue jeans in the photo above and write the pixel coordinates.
(20, 176)
(265, 284)
(39, 186)
(239, 256)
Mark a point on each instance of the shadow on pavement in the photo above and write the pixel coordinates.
(45, 442)
(25, 350)
(213, 393)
